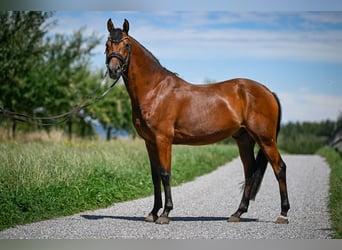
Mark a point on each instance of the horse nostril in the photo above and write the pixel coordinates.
(117, 67)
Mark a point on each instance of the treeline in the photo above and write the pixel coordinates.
(45, 75)
(307, 137)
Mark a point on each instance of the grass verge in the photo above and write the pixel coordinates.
(335, 195)
(42, 180)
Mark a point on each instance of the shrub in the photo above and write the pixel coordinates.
(300, 143)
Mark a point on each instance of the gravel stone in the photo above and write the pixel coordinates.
(201, 209)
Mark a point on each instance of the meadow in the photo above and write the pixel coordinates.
(41, 179)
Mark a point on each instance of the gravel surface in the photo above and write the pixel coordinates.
(201, 209)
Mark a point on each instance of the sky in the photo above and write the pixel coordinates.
(297, 54)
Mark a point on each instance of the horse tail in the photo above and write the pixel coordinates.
(258, 175)
(261, 160)
(279, 112)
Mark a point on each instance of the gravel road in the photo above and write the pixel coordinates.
(201, 209)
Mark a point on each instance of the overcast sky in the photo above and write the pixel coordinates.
(296, 54)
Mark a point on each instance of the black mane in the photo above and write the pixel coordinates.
(115, 35)
(153, 57)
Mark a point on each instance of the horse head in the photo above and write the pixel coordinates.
(118, 49)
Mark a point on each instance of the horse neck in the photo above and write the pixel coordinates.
(144, 72)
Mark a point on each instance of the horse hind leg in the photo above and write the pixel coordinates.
(246, 149)
(254, 170)
(279, 169)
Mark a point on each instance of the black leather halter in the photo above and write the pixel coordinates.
(123, 61)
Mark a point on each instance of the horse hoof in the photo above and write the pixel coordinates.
(234, 219)
(282, 220)
(163, 220)
(151, 218)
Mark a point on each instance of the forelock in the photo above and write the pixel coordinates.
(115, 35)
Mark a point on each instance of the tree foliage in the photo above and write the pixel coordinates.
(306, 137)
(114, 111)
(51, 73)
(21, 49)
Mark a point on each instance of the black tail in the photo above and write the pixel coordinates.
(258, 175)
(279, 112)
(261, 161)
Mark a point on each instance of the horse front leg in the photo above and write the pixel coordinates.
(164, 153)
(154, 161)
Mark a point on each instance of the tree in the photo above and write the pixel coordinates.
(66, 72)
(39, 72)
(21, 48)
(305, 137)
(339, 121)
(114, 111)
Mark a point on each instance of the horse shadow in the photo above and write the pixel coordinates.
(176, 218)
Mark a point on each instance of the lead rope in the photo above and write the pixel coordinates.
(63, 117)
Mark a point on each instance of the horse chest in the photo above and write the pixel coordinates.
(148, 124)
(142, 126)
(146, 116)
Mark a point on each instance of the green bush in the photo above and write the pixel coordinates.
(300, 144)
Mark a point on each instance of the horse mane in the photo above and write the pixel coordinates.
(148, 52)
(152, 56)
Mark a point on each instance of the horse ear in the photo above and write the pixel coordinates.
(110, 25)
(126, 26)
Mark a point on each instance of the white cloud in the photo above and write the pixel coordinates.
(319, 18)
(190, 34)
(309, 106)
(316, 46)
(93, 22)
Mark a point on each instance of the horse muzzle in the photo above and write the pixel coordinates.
(115, 71)
(115, 67)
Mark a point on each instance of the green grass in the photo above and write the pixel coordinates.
(335, 193)
(42, 180)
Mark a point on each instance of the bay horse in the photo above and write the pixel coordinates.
(167, 110)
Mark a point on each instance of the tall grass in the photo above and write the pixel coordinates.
(335, 195)
(41, 180)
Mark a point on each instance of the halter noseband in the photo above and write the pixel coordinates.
(123, 62)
